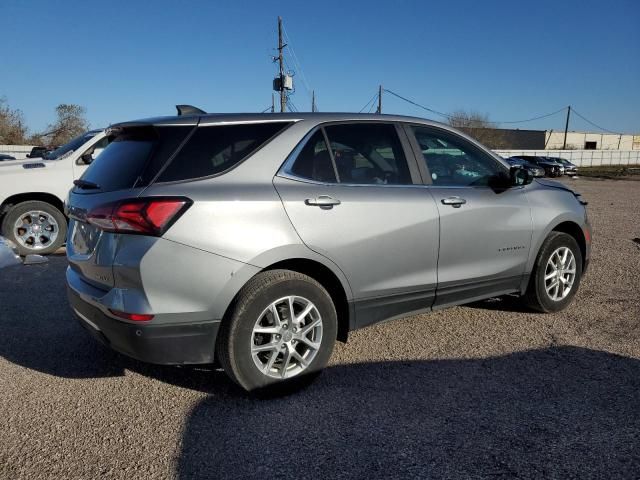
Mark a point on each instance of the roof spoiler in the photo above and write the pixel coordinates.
(189, 110)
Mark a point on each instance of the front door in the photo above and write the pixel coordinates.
(485, 232)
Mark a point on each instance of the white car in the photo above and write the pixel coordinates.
(32, 193)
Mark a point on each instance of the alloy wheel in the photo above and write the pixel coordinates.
(560, 273)
(36, 230)
(286, 337)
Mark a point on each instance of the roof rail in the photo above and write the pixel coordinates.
(189, 110)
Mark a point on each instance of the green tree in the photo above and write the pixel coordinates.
(478, 126)
(70, 123)
(12, 127)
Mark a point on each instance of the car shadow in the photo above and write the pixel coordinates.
(560, 412)
(554, 412)
(38, 331)
(505, 303)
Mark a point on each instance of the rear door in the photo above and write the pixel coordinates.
(354, 197)
(485, 231)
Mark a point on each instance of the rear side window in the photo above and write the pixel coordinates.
(368, 154)
(360, 154)
(314, 161)
(133, 158)
(214, 149)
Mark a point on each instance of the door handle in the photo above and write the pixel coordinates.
(322, 201)
(455, 202)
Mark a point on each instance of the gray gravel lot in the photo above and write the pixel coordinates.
(482, 391)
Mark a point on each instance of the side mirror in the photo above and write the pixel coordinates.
(520, 176)
(87, 158)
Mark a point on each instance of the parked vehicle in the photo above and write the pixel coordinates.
(551, 169)
(37, 152)
(32, 193)
(569, 168)
(556, 162)
(4, 157)
(534, 169)
(257, 240)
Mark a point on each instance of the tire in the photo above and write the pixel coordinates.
(51, 223)
(257, 372)
(538, 296)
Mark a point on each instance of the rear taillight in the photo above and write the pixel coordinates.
(144, 216)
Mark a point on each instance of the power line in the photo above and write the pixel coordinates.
(373, 104)
(593, 124)
(296, 61)
(367, 104)
(446, 115)
(291, 105)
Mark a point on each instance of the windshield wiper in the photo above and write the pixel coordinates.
(85, 184)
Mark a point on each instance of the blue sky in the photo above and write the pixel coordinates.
(512, 60)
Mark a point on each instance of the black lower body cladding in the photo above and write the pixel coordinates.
(189, 343)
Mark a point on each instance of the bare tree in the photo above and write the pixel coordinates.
(12, 128)
(70, 123)
(478, 126)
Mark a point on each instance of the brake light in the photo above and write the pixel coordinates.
(146, 216)
(136, 317)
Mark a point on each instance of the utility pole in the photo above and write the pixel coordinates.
(283, 97)
(313, 101)
(566, 127)
(273, 103)
(379, 110)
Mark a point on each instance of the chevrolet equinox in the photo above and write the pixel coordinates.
(257, 240)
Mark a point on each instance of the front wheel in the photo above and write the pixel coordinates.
(281, 331)
(556, 274)
(35, 227)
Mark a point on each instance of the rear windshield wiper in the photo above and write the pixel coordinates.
(85, 184)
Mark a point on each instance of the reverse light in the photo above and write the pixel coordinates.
(136, 317)
(143, 216)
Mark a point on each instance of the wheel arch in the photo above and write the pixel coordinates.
(564, 224)
(573, 229)
(334, 282)
(330, 281)
(45, 197)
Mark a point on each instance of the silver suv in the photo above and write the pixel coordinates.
(256, 241)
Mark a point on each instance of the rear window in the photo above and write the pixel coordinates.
(214, 149)
(134, 158)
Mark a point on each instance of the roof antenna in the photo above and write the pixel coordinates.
(189, 110)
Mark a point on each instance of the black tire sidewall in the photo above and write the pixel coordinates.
(20, 209)
(555, 241)
(245, 371)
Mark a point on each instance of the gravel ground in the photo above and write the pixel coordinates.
(482, 391)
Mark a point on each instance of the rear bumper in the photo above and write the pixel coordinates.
(166, 344)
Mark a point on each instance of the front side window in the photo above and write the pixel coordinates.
(90, 155)
(70, 147)
(452, 161)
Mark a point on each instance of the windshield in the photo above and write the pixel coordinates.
(70, 147)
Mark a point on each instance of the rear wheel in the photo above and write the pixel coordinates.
(280, 333)
(556, 274)
(35, 227)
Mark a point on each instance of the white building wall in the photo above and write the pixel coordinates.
(18, 151)
(576, 140)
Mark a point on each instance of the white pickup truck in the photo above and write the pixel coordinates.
(32, 193)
